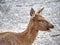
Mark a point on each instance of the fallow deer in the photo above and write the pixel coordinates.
(36, 23)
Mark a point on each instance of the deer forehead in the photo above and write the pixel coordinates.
(39, 17)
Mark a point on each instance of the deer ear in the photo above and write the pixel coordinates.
(40, 10)
(32, 11)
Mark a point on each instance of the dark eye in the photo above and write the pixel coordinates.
(42, 21)
(39, 20)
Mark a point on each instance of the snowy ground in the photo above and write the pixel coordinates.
(14, 16)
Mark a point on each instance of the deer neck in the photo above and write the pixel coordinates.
(29, 34)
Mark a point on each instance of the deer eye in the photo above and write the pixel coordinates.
(39, 20)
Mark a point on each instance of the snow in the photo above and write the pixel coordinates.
(14, 16)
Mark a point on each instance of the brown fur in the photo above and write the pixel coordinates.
(37, 22)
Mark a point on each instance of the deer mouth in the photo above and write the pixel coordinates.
(48, 28)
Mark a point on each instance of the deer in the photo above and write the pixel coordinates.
(36, 23)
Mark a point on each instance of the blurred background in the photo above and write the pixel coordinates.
(15, 15)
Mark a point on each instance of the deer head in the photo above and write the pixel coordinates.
(38, 21)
